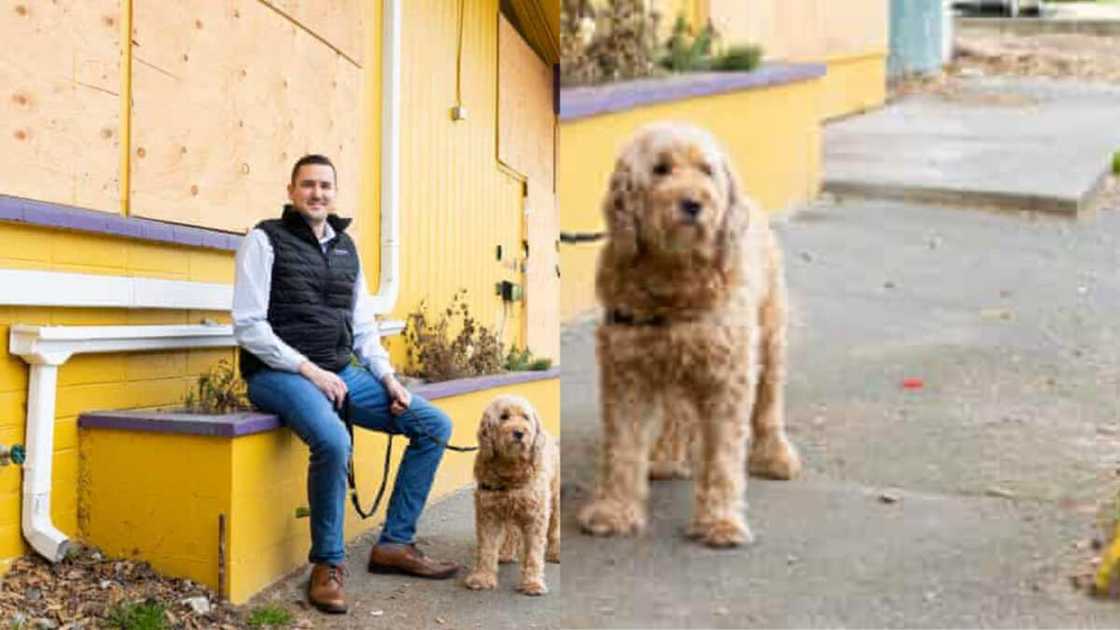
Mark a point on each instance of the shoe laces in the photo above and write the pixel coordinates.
(337, 573)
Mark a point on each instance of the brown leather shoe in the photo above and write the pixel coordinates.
(408, 560)
(324, 591)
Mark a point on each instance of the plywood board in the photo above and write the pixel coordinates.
(218, 119)
(526, 122)
(339, 22)
(60, 105)
(526, 143)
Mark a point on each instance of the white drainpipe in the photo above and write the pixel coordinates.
(389, 286)
(46, 348)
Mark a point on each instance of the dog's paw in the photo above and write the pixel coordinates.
(533, 587)
(721, 533)
(507, 558)
(774, 458)
(481, 580)
(667, 469)
(552, 555)
(610, 518)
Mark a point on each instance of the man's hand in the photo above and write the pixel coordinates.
(328, 382)
(399, 397)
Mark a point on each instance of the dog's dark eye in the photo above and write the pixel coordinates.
(505, 416)
(706, 168)
(662, 168)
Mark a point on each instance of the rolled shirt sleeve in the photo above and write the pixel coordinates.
(251, 288)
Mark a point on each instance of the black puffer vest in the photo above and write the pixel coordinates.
(311, 303)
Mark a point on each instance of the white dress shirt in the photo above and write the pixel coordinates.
(251, 289)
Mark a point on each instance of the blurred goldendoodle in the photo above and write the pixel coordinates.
(517, 501)
(694, 333)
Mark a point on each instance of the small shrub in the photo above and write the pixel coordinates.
(685, 52)
(434, 355)
(738, 59)
(1116, 163)
(269, 616)
(523, 360)
(219, 391)
(147, 615)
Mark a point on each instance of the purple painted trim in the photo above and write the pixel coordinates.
(249, 422)
(46, 214)
(434, 391)
(582, 102)
(229, 425)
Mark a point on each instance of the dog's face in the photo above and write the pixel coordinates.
(672, 194)
(509, 429)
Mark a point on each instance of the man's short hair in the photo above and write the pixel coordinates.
(314, 158)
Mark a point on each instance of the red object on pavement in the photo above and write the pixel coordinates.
(912, 383)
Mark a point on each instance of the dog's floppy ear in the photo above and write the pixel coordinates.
(734, 221)
(538, 429)
(486, 428)
(621, 208)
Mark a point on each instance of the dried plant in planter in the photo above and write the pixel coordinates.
(434, 355)
(616, 42)
(218, 391)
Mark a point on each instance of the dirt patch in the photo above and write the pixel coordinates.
(89, 590)
(983, 53)
(1058, 56)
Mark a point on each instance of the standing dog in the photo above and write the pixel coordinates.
(518, 495)
(695, 317)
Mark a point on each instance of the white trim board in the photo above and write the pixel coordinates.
(20, 287)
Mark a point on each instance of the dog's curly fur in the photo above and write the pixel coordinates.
(692, 285)
(517, 501)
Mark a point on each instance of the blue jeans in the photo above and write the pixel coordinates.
(306, 410)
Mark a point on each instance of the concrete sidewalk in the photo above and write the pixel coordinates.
(446, 531)
(1026, 144)
(997, 466)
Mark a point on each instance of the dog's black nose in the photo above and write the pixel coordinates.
(691, 208)
(517, 435)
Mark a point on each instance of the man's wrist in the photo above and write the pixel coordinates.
(388, 378)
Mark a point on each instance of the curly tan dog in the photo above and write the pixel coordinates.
(518, 495)
(692, 285)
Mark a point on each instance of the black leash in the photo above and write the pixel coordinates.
(388, 457)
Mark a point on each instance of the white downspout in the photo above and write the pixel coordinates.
(389, 284)
(38, 528)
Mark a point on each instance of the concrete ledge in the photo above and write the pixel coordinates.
(44, 214)
(583, 102)
(1003, 200)
(1036, 26)
(250, 422)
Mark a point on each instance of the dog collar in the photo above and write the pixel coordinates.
(620, 318)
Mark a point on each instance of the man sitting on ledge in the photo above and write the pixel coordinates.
(300, 310)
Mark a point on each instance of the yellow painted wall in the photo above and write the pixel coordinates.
(457, 203)
(851, 37)
(165, 502)
(772, 135)
(854, 84)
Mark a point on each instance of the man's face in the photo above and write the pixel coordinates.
(312, 192)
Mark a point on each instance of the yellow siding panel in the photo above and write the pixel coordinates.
(22, 242)
(72, 248)
(209, 265)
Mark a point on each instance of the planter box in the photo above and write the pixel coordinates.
(152, 484)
